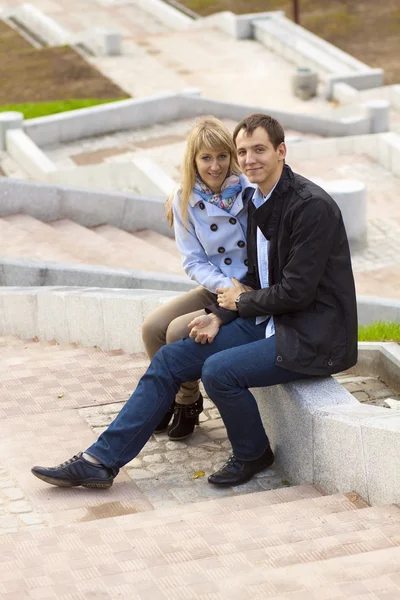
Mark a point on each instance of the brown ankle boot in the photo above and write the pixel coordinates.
(163, 424)
(186, 417)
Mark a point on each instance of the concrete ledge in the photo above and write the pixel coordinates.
(240, 27)
(109, 319)
(100, 41)
(380, 359)
(41, 25)
(104, 118)
(344, 93)
(133, 114)
(365, 80)
(324, 126)
(28, 156)
(304, 48)
(395, 97)
(19, 272)
(321, 434)
(140, 175)
(167, 14)
(48, 202)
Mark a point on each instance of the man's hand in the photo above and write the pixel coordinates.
(204, 329)
(227, 296)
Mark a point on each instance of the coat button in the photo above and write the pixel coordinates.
(221, 250)
(279, 358)
(241, 244)
(330, 363)
(228, 261)
(201, 205)
(246, 262)
(232, 220)
(213, 227)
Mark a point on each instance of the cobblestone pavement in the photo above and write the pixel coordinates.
(370, 390)
(55, 400)
(167, 472)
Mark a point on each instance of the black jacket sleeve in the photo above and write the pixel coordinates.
(314, 228)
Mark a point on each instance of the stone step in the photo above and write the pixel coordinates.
(215, 550)
(94, 249)
(16, 242)
(160, 241)
(42, 233)
(153, 248)
(366, 575)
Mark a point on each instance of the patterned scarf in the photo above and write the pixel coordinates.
(226, 198)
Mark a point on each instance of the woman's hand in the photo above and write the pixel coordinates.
(227, 296)
(204, 329)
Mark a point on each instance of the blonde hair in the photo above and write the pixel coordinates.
(211, 134)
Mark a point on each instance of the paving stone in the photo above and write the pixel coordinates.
(13, 493)
(20, 506)
(361, 396)
(152, 458)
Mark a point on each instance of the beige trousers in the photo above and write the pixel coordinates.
(169, 323)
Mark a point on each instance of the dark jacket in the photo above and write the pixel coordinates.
(311, 292)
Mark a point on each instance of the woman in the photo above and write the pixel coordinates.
(209, 215)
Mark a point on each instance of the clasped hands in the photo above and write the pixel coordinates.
(205, 328)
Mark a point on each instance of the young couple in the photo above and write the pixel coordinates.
(276, 303)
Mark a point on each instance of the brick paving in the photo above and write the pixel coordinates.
(158, 532)
(55, 400)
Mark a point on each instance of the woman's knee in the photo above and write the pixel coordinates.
(153, 334)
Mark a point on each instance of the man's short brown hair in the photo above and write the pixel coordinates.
(269, 124)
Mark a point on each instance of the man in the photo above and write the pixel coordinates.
(294, 316)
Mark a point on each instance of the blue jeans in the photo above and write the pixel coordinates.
(239, 358)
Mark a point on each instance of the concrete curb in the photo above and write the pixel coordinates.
(321, 434)
(14, 272)
(380, 359)
(49, 202)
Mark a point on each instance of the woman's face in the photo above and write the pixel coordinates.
(212, 167)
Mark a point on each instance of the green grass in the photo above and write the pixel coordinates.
(42, 109)
(379, 331)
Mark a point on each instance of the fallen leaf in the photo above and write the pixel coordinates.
(285, 482)
(60, 395)
(198, 474)
(353, 498)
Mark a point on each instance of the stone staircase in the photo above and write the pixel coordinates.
(22, 236)
(159, 532)
(292, 543)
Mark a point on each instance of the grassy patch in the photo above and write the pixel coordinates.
(42, 109)
(379, 331)
(29, 74)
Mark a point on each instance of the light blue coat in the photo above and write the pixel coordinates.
(213, 239)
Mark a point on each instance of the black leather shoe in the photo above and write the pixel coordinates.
(76, 471)
(236, 472)
(186, 417)
(163, 424)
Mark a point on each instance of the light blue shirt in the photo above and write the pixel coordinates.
(213, 245)
(262, 259)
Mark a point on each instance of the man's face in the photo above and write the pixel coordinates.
(258, 159)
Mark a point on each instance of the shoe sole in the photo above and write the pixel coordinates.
(184, 437)
(242, 482)
(64, 483)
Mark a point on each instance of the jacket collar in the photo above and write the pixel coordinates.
(213, 210)
(268, 215)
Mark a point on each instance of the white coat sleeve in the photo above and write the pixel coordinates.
(194, 258)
